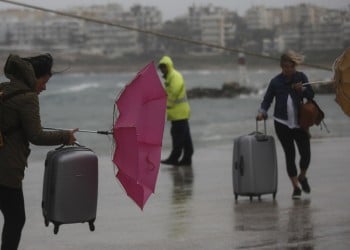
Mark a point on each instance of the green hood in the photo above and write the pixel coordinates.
(17, 69)
(168, 62)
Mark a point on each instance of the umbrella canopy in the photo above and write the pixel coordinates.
(341, 69)
(138, 132)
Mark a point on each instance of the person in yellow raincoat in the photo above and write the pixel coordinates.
(178, 112)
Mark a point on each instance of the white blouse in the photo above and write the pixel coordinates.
(292, 121)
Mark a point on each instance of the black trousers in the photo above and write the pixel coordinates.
(12, 208)
(181, 141)
(287, 137)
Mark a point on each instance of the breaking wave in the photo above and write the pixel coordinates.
(72, 89)
(80, 87)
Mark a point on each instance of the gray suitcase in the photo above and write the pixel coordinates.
(254, 170)
(70, 186)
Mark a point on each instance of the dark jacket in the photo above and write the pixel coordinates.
(279, 88)
(21, 117)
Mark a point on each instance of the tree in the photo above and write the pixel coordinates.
(178, 28)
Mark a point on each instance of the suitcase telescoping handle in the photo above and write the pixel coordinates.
(257, 126)
(261, 136)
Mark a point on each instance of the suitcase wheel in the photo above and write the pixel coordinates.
(46, 221)
(55, 229)
(91, 226)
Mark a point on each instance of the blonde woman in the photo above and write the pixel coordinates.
(287, 90)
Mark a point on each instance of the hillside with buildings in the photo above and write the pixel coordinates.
(318, 32)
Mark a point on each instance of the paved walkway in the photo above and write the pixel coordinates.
(194, 208)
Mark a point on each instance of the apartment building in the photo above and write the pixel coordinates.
(213, 25)
(257, 18)
(303, 27)
(29, 31)
(327, 34)
(32, 30)
(104, 39)
(147, 18)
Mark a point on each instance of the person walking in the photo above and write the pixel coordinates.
(288, 91)
(20, 125)
(178, 112)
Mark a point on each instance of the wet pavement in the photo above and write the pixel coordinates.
(194, 208)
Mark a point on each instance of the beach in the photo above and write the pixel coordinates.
(194, 208)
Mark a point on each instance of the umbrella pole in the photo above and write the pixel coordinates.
(318, 82)
(84, 131)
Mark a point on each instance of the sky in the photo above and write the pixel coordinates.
(173, 8)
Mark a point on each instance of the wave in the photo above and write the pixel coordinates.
(121, 84)
(200, 72)
(81, 87)
(255, 95)
(73, 89)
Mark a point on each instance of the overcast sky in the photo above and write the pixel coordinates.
(173, 8)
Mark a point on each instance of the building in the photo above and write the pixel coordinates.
(108, 39)
(302, 27)
(212, 25)
(147, 18)
(258, 18)
(33, 30)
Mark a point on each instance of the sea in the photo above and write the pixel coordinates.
(86, 101)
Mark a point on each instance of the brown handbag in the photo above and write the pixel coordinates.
(310, 114)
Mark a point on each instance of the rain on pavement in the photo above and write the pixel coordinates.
(194, 208)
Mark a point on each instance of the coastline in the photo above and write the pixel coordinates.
(76, 63)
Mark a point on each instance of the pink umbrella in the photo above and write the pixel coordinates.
(138, 132)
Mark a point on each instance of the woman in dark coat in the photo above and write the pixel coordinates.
(20, 125)
(288, 91)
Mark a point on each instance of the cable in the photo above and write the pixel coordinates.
(155, 33)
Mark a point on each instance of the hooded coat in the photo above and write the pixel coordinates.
(178, 107)
(20, 115)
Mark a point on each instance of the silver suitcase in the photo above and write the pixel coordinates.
(70, 186)
(254, 170)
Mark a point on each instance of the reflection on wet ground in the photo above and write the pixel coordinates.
(194, 208)
(205, 215)
(182, 178)
(275, 227)
(299, 227)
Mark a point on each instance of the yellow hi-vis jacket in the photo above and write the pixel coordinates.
(178, 107)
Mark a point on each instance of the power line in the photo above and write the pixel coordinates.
(155, 33)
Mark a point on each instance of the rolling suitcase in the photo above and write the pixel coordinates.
(254, 170)
(70, 186)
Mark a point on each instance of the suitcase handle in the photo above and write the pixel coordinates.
(257, 126)
(75, 144)
(261, 136)
(241, 166)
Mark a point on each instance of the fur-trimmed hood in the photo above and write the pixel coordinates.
(17, 69)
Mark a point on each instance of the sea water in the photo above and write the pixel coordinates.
(86, 101)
